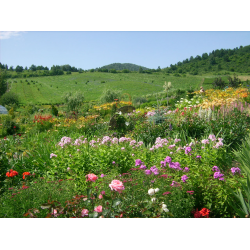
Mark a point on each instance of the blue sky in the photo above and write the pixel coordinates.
(92, 49)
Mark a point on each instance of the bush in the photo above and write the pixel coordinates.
(54, 110)
(139, 100)
(9, 98)
(110, 95)
(9, 127)
(73, 101)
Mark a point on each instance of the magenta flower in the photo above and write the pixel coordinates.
(168, 159)
(138, 162)
(198, 156)
(113, 162)
(184, 178)
(188, 150)
(147, 172)
(215, 168)
(102, 175)
(143, 167)
(235, 170)
(186, 169)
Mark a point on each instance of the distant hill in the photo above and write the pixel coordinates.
(121, 66)
(231, 60)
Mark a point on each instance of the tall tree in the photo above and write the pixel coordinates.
(19, 68)
(3, 83)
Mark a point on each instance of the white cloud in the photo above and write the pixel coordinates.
(9, 34)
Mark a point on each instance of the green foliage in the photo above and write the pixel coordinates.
(3, 82)
(54, 110)
(110, 95)
(9, 127)
(9, 98)
(73, 101)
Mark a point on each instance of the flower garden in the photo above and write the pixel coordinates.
(180, 161)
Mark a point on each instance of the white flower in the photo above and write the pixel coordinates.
(126, 123)
(120, 113)
(151, 191)
(157, 190)
(153, 199)
(164, 207)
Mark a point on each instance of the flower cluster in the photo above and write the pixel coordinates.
(204, 212)
(235, 170)
(218, 174)
(12, 173)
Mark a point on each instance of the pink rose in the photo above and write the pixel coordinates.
(98, 209)
(85, 212)
(91, 177)
(116, 185)
(100, 196)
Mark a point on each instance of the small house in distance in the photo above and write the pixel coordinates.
(3, 110)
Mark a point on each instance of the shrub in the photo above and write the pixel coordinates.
(73, 101)
(110, 95)
(9, 98)
(9, 127)
(54, 110)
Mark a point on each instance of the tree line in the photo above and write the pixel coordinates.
(237, 59)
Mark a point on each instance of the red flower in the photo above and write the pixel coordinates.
(14, 126)
(25, 173)
(12, 173)
(204, 212)
(190, 192)
(166, 193)
(197, 214)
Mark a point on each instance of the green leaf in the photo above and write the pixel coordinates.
(116, 202)
(106, 197)
(89, 190)
(93, 215)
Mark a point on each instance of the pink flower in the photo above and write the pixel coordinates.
(53, 155)
(103, 192)
(92, 177)
(85, 212)
(116, 185)
(100, 196)
(98, 209)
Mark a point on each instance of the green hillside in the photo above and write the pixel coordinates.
(231, 60)
(50, 89)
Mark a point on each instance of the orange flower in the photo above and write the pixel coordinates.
(204, 212)
(12, 173)
(25, 173)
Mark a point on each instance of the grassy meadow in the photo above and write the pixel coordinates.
(50, 89)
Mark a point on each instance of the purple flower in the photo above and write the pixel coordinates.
(148, 172)
(184, 178)
(215, 168)
(102, 175)
(198, 156)
(168, 159)
(235, 170)
(186, 169)
(174, 184)
(219, 175)
(163, 164)
(113, 162)
(143, 167)
(187, 150)
(155, 170)
(138, 162)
